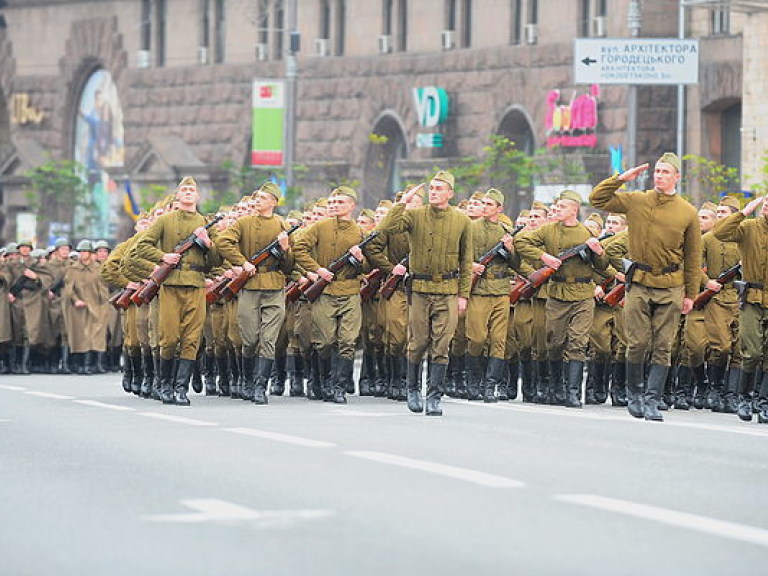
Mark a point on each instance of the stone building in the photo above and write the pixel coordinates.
(142, 91)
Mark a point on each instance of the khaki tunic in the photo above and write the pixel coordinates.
(35, 304)
(6, 329)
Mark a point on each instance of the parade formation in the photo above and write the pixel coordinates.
(647, 302)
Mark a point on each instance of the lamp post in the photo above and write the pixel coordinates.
(290, 91)
(634, 23)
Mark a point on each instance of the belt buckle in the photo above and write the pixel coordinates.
(437, 277)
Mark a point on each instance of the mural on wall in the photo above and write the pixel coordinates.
(574, 123)
(99, 146)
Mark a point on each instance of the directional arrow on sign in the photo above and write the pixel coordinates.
(223, 512)
(589, 61)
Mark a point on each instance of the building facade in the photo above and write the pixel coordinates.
(142, 91)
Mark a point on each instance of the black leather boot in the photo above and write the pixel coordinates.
(715, 400)
(435, 385)
(137, 373)
(762, 400)
(492, 376)
(460, 376)
(744, 409)
(402, 367)
(100, 363)
(603, 377)
(475, 377)
(382, 375)
(575, 378)
(197, 374)
(619, 384)
(294, 366)
(684, 388)
(508, 389)
(89, 368)
(224, 376)
(248, 376)
(24, 364)
(589, 389)
(278, 376)
(235, 367)
(166, 380)
(184, 370)
(210, 375)
(327, 377)
(450, 379)
(315, 386)
(415, 403)
(344, 368)
(148, 368)
(528, 383)
(656, 378)
(395, 377)
(265, 366)
(702, 387)
(557, 387)
(635, 400)
(730, 398)
(367, 381)
(127, 372)
(64, 368)
(156, 382)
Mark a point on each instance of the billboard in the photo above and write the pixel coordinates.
(267, 123)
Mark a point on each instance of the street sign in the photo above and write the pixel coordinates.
(635, 61)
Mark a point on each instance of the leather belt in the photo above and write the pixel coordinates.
(572, 279)
(666, 270)
(436, 277)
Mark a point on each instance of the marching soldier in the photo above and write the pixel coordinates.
(440, 276)
(182, 295)
(665, 249)
(261, 304)
(57, 265)
(6, 331)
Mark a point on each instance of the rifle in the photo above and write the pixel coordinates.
(528, 286)
(216, 290)
(57, 285)
(22, 283)
(616, 294)
(723, 278)
(313, 292)
(370, 284)
(161, 273)
(392, 281)
(122, 300)
(231, 288)
(498, 250)
(293, 291)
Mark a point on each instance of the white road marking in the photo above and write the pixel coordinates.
(104, 405)
(49, 395)
(223, 512)
(621, 416)
(9, 387)
(465, 474)
(297, 440)
(721, 528)
(177, 419)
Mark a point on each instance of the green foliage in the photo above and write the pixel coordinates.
(57, 182)
(711, 177)
(148, 195)
(242, 180)
(557, 166)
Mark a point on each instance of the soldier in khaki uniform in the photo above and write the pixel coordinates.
(336, 314)
(57, 265)
(616, 249)
(261, 305)
(440, 275)
(6, 332)
(751, 236)
(182, 296)
(570, 303)
(487, 315)
(665, 247)
(86, 296)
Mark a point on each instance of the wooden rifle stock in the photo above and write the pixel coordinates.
(214, 292)
(616, 295)
(313, 292)
(370, 284)
(161, 273)
(293, 291)
(392, 282)
(122, 300)
(723, 278)
(525, 290)
(498, 249)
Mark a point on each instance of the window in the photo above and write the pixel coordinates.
(450, 14)
(386, 17)
(585, 18)
(517, 20)
(402, 25)
(466, 24)
(341, 19)
(160, 19)
(279, 26)
(533, 11)
(721, 22)
(218, 31)
(325, 19)
(205, 23)
(146, 25)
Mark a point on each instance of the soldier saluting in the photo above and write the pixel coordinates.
(663, 279)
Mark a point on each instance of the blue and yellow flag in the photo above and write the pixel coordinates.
(129, 202)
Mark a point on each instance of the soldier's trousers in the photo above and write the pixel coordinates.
(487, 318)
(336, 322)
(396, 324)
(539, 328)
(754, 338)
(722, 322)
(523, 326)
(432, 323)
(694, 341)
(568, 325)
(302, 326)
(182, 314)
(651, 317)
(601, 334)
(511, 347)
(142, 328)
(260, 315)
(216, 343)
(234, 339)
(130, 330)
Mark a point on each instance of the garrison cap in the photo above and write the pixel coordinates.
(595, 217)
(385, 204)
(187, 181)
(539, 206)
(399, 196)
(322, 202)
(367, 213)
(294, 215)
(524, 214)
(445, 176)
(710, 206)
(477, 195)
(671, 159)
(570, 195)
(730, 201)
(495, 195)
(345, 191)
(84, 246)
(272, 188)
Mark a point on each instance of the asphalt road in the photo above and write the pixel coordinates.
(96, 482)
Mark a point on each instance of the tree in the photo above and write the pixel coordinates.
(57, 189)
(711, 177)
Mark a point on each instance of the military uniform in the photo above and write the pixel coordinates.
(665, 245)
